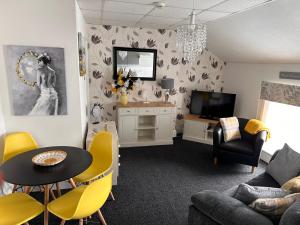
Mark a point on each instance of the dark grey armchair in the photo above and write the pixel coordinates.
(245, 150)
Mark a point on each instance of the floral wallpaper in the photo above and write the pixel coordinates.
(205, 73)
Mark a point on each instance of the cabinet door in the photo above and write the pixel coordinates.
(128, 131)
(165, 127)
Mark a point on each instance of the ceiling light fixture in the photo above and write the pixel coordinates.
(191, 37)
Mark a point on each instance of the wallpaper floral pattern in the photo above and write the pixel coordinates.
(205, 73)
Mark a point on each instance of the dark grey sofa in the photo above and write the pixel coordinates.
(215, 208)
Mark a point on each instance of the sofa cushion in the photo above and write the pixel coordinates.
(292, 185)
(278, 168)
(238, 146)
(219, 206)
(264, 180)
(292, 215)
(247, 193)
(230, 128)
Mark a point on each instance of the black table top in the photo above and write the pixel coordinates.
(20, 169)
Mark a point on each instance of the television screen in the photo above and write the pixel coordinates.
(212, 105)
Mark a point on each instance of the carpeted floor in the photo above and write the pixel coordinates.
(155, 183)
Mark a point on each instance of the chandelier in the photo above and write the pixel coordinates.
(191, 38)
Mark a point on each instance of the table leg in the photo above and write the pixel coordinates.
(46, 200)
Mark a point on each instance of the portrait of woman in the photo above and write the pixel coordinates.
(37, 79)
(47, 103)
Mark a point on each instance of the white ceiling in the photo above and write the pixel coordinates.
(267, 34)
(142, 13)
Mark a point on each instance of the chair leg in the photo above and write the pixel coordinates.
(14, 188)
(62, 222)
(215, 161)
(27, 189)
(26, 223)
(58, 189)
(253, 169)
(101, 217)
(52, 194)
(112, 196)
(81, 222)
(72, 183)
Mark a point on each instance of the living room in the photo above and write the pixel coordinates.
(70, 83)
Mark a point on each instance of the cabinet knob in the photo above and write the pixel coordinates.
(119, 156)
(119, 164)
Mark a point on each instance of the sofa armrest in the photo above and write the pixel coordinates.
(218, 135)
(292, 215)
(227, 210)
(259, 140)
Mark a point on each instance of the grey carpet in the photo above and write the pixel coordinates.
(155, 183)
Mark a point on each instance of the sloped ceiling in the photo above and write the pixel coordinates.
(267, 34)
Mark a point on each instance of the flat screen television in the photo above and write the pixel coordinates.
(212, 105)
(140, 61)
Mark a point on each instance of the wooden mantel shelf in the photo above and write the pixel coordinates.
(143, 104)
(197, 118)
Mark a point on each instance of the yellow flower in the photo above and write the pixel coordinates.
(120, 82)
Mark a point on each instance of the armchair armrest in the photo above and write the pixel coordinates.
(218, 137)
(226, 210)
(292, 215)
(259, 140)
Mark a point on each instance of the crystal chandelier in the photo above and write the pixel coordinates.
(191, 38)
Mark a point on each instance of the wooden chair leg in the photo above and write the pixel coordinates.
(112, 196)
(52, 194)
(26, 223)
(253, 169)
(101, 217)
(62, 222)
(215, 161)
(58, 189)
(27, 189)
(81, 222)
(72, 183)
(14, 188)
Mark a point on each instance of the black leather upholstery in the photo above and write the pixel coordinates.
(245, 150)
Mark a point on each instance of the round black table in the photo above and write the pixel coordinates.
(20, 170)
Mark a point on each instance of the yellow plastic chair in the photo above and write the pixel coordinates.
(17, 143)
(101, 150)
(18, 208)
(82, 201)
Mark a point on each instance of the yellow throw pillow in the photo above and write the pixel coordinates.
(274, 206)
(293, 185)
(230, 128)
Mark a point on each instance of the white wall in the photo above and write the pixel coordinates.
(51, 24)
(83, 80)
(245, 80)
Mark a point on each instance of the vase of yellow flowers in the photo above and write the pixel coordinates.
(123, 84)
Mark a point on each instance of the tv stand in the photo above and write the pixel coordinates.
(198, 129)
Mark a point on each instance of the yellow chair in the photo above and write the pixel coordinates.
(18, 208)
(82, 201)
(17, 143)
(101, 150)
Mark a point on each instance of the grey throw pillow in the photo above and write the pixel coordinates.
(248, 194)
(285, 166)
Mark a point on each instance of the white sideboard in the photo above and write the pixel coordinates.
(198, 129)
(145, 124)
(111, 127)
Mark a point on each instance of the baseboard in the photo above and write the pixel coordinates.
(203, 141)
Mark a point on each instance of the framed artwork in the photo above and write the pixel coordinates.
(82, 54)
(37, 81)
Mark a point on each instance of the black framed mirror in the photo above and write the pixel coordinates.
(141, 62)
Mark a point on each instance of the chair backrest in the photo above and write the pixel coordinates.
(93, 197)
(16, 143)
(101, 149)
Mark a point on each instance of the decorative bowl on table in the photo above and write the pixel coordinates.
(49, 158)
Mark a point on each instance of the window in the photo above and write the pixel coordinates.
(284, 123)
